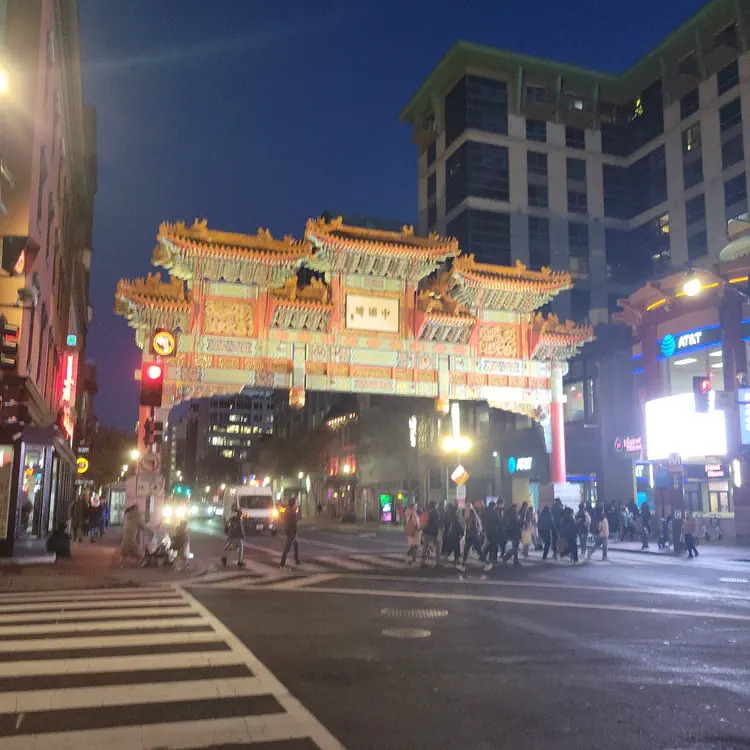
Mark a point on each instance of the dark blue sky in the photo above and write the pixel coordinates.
(266, 112)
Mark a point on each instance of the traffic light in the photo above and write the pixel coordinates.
(153, 432)
(8, 344)
(701, 390)
(152, 384)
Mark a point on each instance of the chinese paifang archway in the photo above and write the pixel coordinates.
(391, 313)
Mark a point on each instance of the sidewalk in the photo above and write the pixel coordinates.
(717, 550)
(91, 566)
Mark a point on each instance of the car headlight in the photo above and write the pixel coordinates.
(274, 513)
(194, 510)
(181, 512)
(167, 511)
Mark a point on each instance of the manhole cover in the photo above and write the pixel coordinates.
(424, 614)
(406, 633)
(734, 580)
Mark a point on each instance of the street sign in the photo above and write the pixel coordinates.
(461, 495)
(675, 462)
(149, 484)
(150, 464)
(460, 475)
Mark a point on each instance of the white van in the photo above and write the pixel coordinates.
(259, 511)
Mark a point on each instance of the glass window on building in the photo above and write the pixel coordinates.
(577, 202)
(730, 114)
(732, 151)
(486, 234)
(431, 152)
(538, 195)
(697, 245)
(536, 163)
(691, 138)
(575, 137)
(536, 130)
(478, 103)
(679, 370)
(647, 181)
(580, 304)
(577, 170)
(735, 197)
(32, 492)
(689, 104)
(539, 245)
(695, 210)
(727, 78)
(479, 170)
(575, 406)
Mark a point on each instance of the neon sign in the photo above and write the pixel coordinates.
(68, 394)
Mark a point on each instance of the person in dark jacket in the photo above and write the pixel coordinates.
(235, 538)
(513, 532)
(290, 529)
(473, 536)
(503, 540)
(646, 521)
(544, 525)
(77, 515)
(583, 521)
(569, 533)
(452, 532)
(491, 525)
(95, 519)
(557, 513)
(430, 531)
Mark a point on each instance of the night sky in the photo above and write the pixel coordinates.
(263, 113)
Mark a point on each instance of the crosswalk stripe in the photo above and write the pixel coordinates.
(260, 568)
(299, 582)
(343, 562)
(145, 700)
(107, 641)
(117, 663)
(103, 614)
(96, 604)
(89, 595)
(186, 735)
(381, 562)
(88, 628)
(123, 695)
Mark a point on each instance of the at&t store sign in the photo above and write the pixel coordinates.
(674, 343)
(519, 464)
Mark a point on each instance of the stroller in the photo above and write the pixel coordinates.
(158, 549)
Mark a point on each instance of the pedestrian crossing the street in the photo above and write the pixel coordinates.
(136, 669)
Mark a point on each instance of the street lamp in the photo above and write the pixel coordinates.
(692, 285)
(301, 475)
(4, 80)
(457, 444)
(135, 454)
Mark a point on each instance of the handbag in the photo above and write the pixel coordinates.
(526, 536)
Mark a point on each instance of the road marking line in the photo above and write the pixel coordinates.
(343, 562)
(545, 585)
(313, 728)
(125, 695)
(530, 602)
(132, 604)
(102, 614)
(299, 582)
(90, 665)
(332, 545)
(381, 562)
(85, 627)
(106, 641)
(86, 595)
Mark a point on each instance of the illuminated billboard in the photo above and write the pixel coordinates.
(673, 426)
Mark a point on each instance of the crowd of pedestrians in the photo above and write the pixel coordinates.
(498, 532)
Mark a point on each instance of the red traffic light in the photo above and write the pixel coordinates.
(705, 385)
(154, 372)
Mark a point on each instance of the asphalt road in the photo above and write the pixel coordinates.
(635, 653)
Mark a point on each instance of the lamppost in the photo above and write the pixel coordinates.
(458, 444)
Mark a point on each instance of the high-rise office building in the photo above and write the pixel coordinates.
(615, 177)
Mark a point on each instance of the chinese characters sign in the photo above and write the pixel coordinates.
(368, 313)
(68, 395)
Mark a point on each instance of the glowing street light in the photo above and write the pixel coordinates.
(692, 286)
(456, 444)
(4, 81)
(135, 454)
(124, 468)
(301, 475)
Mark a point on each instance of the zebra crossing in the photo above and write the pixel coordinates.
(137, 669)
(265, 571)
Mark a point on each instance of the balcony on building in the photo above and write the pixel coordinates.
(576, 110)
(425, 132)
(685, 76)
(721, 49)
(539, 102)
